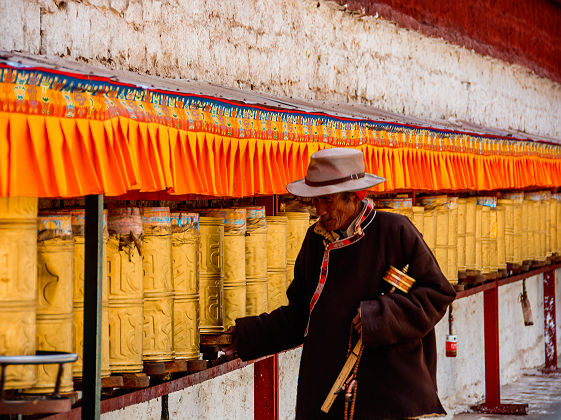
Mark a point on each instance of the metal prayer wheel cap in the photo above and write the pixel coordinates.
(399, 279)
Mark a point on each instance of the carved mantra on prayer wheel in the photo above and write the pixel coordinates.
(234, 290)
(297, 226)
(211, 275)
(276, 261)
(126, 289)
(157, 344)
(256, 261)
(18, 276)
(55, 285)
(185, 255)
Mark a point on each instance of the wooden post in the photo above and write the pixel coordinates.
(91, 384)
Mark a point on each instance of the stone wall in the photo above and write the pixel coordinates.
(300, 48)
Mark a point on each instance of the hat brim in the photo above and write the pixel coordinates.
(301, 189)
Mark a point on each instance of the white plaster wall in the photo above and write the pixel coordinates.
(228, 396)
(291, 48)
(520, 346)
(149, 410)
(289, 364)
(461, 379)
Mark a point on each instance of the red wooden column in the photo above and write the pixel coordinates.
(492, 404)
(266, 382)
(550, 336)
(266, 376)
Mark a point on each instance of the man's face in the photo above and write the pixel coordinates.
(335, 212)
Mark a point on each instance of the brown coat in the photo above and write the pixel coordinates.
(397, 372)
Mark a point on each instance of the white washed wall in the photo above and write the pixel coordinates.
(290, 48)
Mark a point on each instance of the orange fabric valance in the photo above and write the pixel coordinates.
(66, 136)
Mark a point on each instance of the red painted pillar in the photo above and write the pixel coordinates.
(550, 337)
(492, 370)
(492, 404)
(266, 401)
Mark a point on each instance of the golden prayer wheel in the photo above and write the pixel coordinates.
(471, 229)
(78, 217)
(461, 236)
(506, 206)
(419, 218)
(276, 261)
(55, 286)
(501, 244)
(403, 206)
(437, 222)
(525, 229)
(297, 227)
(256, 261)
(533, 214)
(453, 240)
(555, 220)
(493, 238)
(211, 275)
(484, 206)
(18, 294)
(517, 200)
(478, 239)
(185, 254)
(546, 212)
(157, 343)
(234, 263)
(126, 289)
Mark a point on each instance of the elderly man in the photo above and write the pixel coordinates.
(338, 288)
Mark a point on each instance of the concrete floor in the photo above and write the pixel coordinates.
(541, 392)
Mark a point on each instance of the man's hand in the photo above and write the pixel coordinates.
(357, 323)
(230, 349)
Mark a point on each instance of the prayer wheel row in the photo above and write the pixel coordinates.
(167, 278)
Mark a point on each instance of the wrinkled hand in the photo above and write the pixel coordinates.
(230, 349)
(357, 323)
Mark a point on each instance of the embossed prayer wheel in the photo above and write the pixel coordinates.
(157, 343)
(493, 239)
(437, 216)
(211, 275)
(276, 261)
(478, 238)
(517, 200)
(507, 207)
(546, 212)
(419, 218)
(55, 286)
(18, 294)
(78, 217)
(471, 229)
(256, 261)
(461, 235)
(555, 220)
(234, 263)
(484, 205)
(126, 289)
(297, 227)
(185, 254)
(501, 244)
(533, 214)
(524, 230)
(453, 240)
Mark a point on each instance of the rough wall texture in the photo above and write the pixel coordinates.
(526, 32)
(301, 48)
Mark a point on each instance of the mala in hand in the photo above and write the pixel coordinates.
(351, 385)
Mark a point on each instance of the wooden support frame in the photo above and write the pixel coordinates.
(93, 269)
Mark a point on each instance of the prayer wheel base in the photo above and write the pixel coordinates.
(135, 380)
(35, 405)
(503, 272)
(197, 365)
(462, 276)
(164, 368)
(109, 382)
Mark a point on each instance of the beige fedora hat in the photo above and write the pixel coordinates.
(332, 171)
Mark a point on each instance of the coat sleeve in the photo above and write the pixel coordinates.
(398, 317)
(281, 329)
